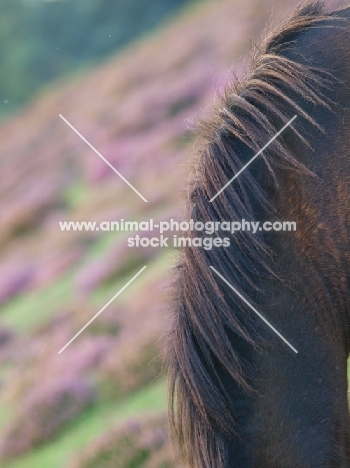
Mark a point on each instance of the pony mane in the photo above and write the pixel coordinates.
(207, 318)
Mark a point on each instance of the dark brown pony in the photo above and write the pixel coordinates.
(239, 396)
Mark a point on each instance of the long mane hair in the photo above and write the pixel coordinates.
(207, 322)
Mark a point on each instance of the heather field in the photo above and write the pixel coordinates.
(101, 403)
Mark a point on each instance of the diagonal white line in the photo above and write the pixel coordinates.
(254, 310)
(257, 154)
(103, 308)
(104, 159)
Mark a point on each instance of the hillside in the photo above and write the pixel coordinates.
(101, 402)
(42, 40)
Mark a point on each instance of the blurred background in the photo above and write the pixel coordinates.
(132, 77)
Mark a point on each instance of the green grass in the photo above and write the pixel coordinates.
(101, 246)
(156, 268)
(76, 194)
(92, 424)
(25, 312)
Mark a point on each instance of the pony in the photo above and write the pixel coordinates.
(238, 395)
